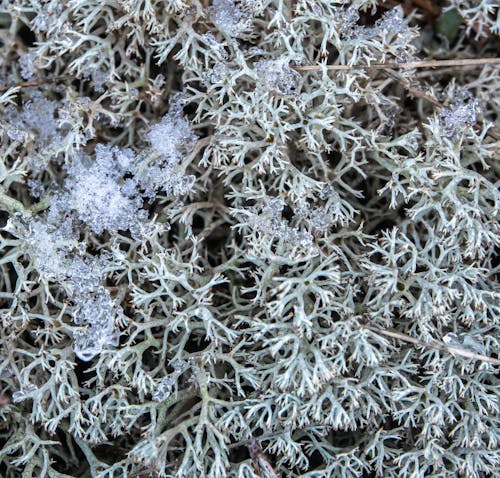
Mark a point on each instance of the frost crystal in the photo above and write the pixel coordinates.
(36, 188)
(472, 343)
(37, 116)
(392, 21)
(179, 366)
(27, 66)
(347, 22)
(166, 385)
(459, 115)
(98, 312)
(94, 191)
(99, 78)
(49, 245)
(393, 28)
(90, 342)
(226, 16)
(18, 396)
(277, 76)
(173, 137)
(97, 192)
(56, 250)
(21, 395)
(318, 217)
(45, 16)
(95, 309)
(57, 253)
(270, 223)
(214, 45)
(216, 74)
(15, 134)
(163, 390)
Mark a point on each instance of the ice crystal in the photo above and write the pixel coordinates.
(16, 134)
(294, 304)
(216, 74)
(38, 117)
(90, 342)
(26, 63)
(37, 189)
(172, 137)
(461, 114)
(93, 309)
(179, 366)
(98, 77)
(318, 217)
(393, 28)
(21, 395)
(226, 16)
(347, 20)
(49, 244)
(163, 389)
(270, 223)
(276, 75)
(45, 16)
(392, 21)
(215, 45)
(96, 310)
(58, 254)
(95, 194)
(472, 343)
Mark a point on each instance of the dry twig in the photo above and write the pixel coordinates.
(404, 66)
(259, 459)
(432, 345)
(27, 84)
(413, 89)
(419, 93)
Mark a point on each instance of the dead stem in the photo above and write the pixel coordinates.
(432, 345)
(404, 66)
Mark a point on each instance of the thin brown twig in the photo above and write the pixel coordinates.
(259, 459)
(27, 84)
(432, 345)
(414, 90)
(442, 71)
(404, 66)
(419, 93)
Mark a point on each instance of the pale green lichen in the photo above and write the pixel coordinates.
(218, 263)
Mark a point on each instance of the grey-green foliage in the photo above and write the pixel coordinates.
(205, 245)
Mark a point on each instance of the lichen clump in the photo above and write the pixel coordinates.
(232, 247)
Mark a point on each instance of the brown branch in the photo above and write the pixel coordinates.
(414, 90)
(403, 66)
(442, 71)
(20, 85)
(259, 459)
(26, 84)
(432, 345)
(419, 93)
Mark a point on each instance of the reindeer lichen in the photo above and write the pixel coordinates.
(248, 239)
